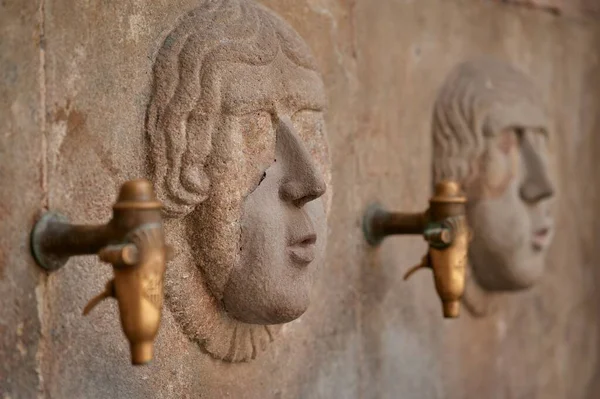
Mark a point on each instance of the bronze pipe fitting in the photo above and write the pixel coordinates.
(444, 227)
(133, 242)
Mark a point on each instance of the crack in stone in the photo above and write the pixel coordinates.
(41, 287)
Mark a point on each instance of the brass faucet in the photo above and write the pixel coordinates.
(133, 242)
(444, 227)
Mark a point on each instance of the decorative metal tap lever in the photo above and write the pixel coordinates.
(444, 227)
(133, 242)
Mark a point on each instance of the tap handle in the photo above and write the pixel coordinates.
(425, 263)
(439, 235)
(120, 255)
(117, 255)
(109, 292)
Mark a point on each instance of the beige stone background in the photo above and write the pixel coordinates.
(74, 83)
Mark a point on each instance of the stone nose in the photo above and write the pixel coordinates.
(303, 181)
(536, 184)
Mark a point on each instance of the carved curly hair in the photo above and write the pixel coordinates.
(479, 99)
(184, 104)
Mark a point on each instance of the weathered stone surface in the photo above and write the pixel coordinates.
(21, 195)
(473, 357)
(367, 333)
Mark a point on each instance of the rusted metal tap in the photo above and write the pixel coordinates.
(444, 227)
(133, 242)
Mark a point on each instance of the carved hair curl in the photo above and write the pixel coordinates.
(479, 99)
(185, 99)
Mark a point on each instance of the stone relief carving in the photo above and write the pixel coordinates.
(239, 155)
(490, 133)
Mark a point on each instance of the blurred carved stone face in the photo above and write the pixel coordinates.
(510, 211)
(283, 218)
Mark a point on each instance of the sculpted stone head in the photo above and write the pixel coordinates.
(490, 133)
(240, 159)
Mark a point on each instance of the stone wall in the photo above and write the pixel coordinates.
(74, 84)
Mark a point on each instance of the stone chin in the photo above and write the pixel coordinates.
(512, 271)
(267, 310)
(501, 254)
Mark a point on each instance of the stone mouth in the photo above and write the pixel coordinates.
(304, 252)
(540, 238)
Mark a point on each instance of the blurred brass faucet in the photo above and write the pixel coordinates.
(444, 227)
(133, 242)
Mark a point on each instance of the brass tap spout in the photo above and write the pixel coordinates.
(444, 227)
(133, 242)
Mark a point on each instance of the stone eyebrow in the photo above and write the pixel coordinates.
(493, 133)
(316, 105)
(245, 107)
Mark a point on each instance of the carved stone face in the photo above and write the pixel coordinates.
(240, 159)
(509, 210)
(490, 134)
(283, 224)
